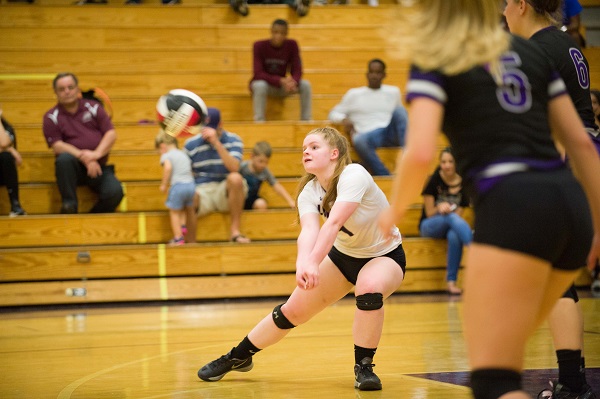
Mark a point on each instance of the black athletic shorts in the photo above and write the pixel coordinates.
(541, 213)
(350, 266)
(571, 293)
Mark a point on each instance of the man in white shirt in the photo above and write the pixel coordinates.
(373, 116)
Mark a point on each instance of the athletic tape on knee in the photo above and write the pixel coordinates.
(370, 301)
(493, 383)
(280, 320)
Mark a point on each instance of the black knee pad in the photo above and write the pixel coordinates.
(280, 320)
(493, 383)
(371, 301)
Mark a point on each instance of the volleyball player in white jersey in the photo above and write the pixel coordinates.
(347, 251)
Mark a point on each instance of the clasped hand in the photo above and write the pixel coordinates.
(90, 160)
(445, 208)
(307, 276)
(289, 85)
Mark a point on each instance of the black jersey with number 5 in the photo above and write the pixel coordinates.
(486, 122)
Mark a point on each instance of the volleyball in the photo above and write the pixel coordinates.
(181, 112)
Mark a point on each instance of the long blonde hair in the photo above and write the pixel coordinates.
(454, 36)
(338, 141)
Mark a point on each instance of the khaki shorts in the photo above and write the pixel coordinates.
(213, 197)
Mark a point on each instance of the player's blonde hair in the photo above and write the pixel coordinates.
(453, 36)
(338, 141)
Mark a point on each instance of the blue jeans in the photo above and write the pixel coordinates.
(458, 233)
(392, 135)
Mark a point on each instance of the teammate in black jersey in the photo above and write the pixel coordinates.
(533, 20)
(497, 98)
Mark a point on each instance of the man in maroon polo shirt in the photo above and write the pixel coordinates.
(81, 135)
(278, 72)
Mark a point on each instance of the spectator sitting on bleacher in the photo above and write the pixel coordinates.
(9, 160)
(443, 204)
(273, 59)
(216, 155)
(179, 180)
(81, 135)
(373, 116)
(256, 171)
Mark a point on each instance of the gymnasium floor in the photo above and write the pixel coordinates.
(152, 351)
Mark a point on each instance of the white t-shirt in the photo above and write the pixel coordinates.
(360, 236)
(367, 108)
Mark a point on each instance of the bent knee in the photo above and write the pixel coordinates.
(65, 158)
(235, 179)
(304, 85)
(259, 86)
(369, 301)
(260, 204)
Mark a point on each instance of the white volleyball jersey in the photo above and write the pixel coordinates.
(360, 236)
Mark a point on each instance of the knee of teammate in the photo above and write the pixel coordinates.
(493, 383)
(280, 320)
(370, 301)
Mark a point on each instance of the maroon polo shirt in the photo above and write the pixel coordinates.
(84, 129)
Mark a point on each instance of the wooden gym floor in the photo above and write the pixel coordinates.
(152, 351)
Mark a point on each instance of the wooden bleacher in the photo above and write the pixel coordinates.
(137, 53)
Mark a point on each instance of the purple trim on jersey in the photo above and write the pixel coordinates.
(557, 86)
(426, 84)
(484, 183)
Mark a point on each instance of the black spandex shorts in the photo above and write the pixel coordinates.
(350, 266)
(543, 214)
(571, 293)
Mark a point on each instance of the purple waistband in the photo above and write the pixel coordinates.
(487, 177)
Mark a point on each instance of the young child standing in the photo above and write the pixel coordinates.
(256, 171)
(177, 172)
